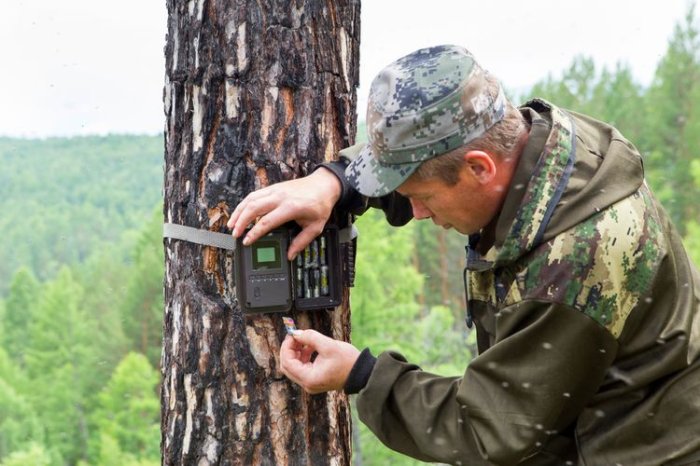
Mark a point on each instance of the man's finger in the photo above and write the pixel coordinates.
(252, 206)
(241, 207)
(253, 209)
(303, 239)
(234, 215)
(265, 224)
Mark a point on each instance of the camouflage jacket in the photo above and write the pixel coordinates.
(587, 310)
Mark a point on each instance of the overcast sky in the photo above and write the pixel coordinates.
(76, 67)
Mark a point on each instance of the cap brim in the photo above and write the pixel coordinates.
(373, 179)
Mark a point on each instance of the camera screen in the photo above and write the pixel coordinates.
(266, 255)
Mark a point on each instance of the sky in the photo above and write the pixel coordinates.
(77, 67)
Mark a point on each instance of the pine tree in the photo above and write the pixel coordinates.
(616, 99)
(573, 90)
(386, 285)
(33, 455)
(104, 277)
(673, 111)
(18, 314)
(19, 424)
(255, 93)
(59, 363)
(128, 411)
(142, 306)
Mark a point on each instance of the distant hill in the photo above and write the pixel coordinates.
(61, 198)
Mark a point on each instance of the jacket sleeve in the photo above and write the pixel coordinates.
(546, 363)
(397, 208)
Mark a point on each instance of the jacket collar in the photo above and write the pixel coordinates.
(543, 171)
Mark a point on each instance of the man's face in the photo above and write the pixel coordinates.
(468, 206)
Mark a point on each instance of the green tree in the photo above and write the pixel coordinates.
(692, 238)
(110, 454)
(615, 100)
(128, 413)
(673, 112)
(439, 258)
(60, 362)
(692, 241)
(384, 299)
(34, 455)
(610, 96)
(105, 278)
(142, 307)
(2, 321)
(19, 425)
(19, 309)
(574, 90)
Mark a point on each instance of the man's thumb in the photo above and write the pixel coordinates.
(308, 337)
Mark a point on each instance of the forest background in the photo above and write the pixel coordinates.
(81, 267)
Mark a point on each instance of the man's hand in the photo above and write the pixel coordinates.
(329, 369)
(309, 201)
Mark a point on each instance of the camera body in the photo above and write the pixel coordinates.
(266, 281)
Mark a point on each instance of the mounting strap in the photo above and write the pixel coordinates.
(227, 241)
(195, 235)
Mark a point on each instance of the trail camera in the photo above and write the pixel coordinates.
(266, 281)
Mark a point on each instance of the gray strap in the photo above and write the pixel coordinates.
(225, 241)
(195, 235)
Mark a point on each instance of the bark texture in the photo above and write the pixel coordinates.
(255, 92)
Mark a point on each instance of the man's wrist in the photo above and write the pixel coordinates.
(345, 191)
(330, 178)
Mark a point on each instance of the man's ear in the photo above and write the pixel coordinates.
(480, 165)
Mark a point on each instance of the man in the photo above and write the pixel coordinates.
(587, 308)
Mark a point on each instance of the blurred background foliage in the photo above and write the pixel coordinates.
(81, 268)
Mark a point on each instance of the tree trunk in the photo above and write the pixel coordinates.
(255, 93)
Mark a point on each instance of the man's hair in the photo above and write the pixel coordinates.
(500, 141)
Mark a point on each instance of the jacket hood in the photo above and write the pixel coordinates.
(572, 168)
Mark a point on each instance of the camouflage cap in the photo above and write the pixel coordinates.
(425, 104)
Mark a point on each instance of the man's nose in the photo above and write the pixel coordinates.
(420, 211)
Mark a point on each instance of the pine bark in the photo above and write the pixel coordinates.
(255, 93)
